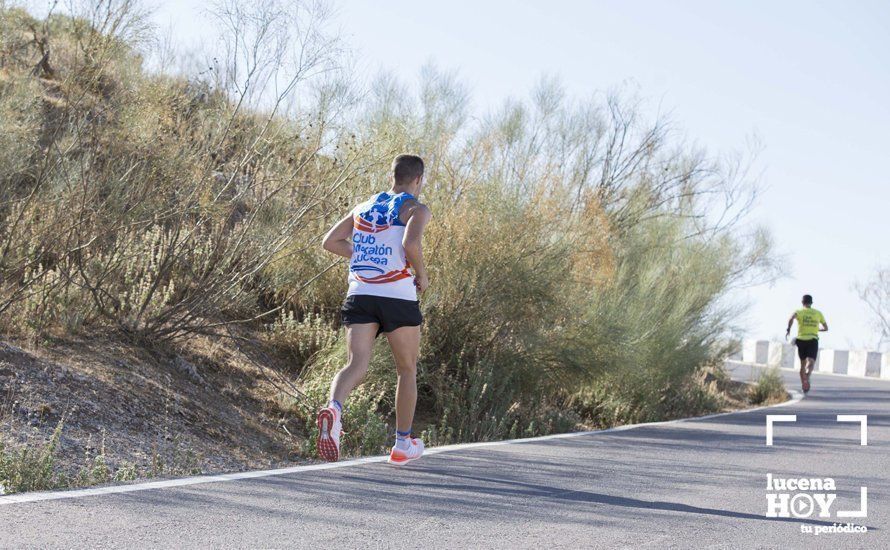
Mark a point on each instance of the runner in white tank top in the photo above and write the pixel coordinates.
(378, 266)
(381, 237)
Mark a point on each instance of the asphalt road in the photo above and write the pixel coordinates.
(693, 484)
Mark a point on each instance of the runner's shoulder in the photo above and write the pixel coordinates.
(414, 207)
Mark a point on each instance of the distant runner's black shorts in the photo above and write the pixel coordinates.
(389, 313)
(808, 348)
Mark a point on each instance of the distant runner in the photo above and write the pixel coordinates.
(382, 239)
(810, 322)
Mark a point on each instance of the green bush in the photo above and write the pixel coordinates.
(769, 388)
(31, 469)
(126, 472)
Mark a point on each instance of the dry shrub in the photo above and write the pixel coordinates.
(579, 253)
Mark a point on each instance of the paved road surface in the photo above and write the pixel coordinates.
(693, 484)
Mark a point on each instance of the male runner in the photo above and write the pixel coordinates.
(382, 239)
(810, 322)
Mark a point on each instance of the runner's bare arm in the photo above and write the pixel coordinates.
(339, 238)
(790, 322)
(824, 327)
(418, 216)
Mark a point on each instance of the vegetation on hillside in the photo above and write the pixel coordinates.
(768, 389)
(580, 254)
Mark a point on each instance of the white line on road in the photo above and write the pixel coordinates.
(198, 480)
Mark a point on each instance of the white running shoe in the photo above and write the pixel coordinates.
(329, 430)
(404, 456)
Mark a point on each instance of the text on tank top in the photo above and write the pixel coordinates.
(378, 266)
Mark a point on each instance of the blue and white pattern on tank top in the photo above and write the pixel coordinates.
(378, 266)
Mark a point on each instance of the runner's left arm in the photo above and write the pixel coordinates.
(418, 217)
(339, 238)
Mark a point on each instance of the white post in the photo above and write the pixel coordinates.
(774, 354)
(856, 362)
(762, 352)
(781, 355)
(885, 366)
(825, 363)
(749, 351)
(841, 361)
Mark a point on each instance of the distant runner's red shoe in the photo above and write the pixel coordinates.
(329, 429)
(806, 385)
(404, 456)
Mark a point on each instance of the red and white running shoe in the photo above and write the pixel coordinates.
(329, 430)
(404, 456)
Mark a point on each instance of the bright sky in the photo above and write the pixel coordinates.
(810, 79)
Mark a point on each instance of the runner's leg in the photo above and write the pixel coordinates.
(405, 345)
(811, 365)
(807, 363)
(359, 348)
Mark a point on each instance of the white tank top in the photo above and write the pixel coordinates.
(378, 266)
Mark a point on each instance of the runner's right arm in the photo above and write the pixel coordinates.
(339, 238)
(790, 322)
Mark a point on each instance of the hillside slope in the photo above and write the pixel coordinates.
(142, 412)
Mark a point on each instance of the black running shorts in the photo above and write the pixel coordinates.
(808, 348)
(389, 313)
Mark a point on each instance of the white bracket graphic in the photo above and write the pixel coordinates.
(863, 440)
(863, 426)
(863, 506)
(770, 418)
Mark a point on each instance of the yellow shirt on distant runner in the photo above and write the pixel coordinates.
(808, 320)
